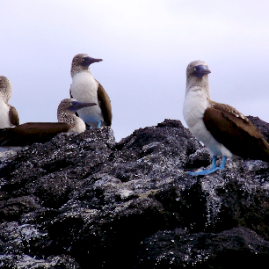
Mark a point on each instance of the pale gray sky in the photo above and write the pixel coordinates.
(145, 46)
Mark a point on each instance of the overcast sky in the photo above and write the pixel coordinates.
(145, 46)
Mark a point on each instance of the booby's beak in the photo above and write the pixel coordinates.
(89, 60)
(76, 105)
(201, 70)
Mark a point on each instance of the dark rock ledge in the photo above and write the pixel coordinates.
(85, 201)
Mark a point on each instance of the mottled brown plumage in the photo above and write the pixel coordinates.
(236, 132)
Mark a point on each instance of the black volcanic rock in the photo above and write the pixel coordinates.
(261, 125)
(235, 248)
(85, 201)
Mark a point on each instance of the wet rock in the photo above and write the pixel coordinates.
(85, 201)
(12, 208)
(26, 261)
(235, 248)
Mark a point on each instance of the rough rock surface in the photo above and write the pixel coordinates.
(85, 201)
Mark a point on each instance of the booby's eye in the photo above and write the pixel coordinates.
(71, 104)
(194, 68)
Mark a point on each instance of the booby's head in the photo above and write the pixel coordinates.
(5, 89)
(197, 75)
(82, 62)
(66, 113)
(197, 69)
(72, 105)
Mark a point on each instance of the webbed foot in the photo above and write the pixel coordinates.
(212, 169)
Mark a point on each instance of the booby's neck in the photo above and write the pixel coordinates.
(200, 85)
(79, 69)
(5, 93)
(77, 124)
(5, 96)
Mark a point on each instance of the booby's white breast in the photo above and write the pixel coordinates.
(194, 108)
(4, 115)
(79, 126)
(84, 88)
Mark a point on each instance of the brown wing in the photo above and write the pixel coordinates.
(239, 135)
(14, 116)
(105, 104)
(32, 132)
(229, 109)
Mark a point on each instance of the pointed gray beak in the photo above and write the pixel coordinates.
(201, 70)
(76, 105)
(89, 60)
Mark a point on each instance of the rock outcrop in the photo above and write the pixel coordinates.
(85, 201)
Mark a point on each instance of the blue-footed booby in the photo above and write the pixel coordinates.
(221, 128)
(8, 114)
(86, 88)
(41, 132)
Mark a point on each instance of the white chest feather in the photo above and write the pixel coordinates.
(194, 107)
(79, 126)
(84, 88)
(4, 115)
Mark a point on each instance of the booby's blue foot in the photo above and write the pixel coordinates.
(99, 125)
(212, 169)
(205, 172)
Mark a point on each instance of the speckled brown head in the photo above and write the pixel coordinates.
(197, 75)
(66, 113)
(70, 106)
(82, 62)
(5, 88)
(197, 69)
